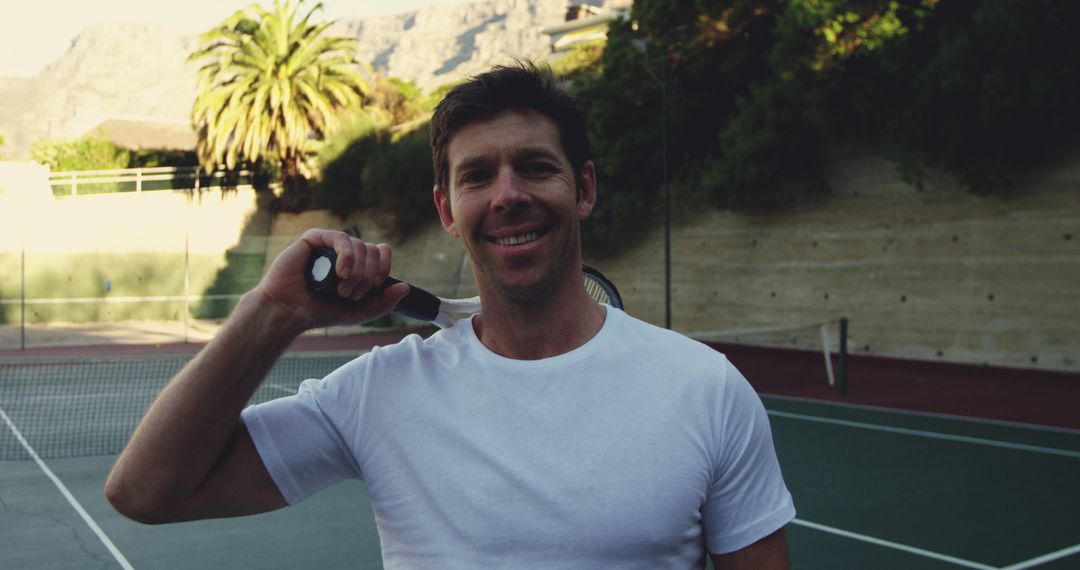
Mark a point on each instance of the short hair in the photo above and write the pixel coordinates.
(519, 87)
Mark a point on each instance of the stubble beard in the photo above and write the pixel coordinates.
(534, 291)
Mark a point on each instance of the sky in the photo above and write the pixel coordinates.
(34, 33)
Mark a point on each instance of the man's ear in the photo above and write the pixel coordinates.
(586, 190)
(446, 216)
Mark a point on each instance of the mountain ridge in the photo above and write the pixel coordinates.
(140, 69)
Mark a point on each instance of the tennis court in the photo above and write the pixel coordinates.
(875, 488)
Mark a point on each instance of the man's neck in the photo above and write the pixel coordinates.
(541, 330)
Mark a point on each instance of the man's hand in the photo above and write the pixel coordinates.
(191, 457)
(362, 268)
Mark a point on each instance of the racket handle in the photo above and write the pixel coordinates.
(323, 281)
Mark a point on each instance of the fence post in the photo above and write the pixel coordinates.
(22, 298)
(841, 383)
(73, 191)
(187, 282)
(138, 180)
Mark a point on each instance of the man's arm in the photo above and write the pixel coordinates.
(191, 456)
(769, 553)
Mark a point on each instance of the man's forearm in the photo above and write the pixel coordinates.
(186, 430)
(190, 456)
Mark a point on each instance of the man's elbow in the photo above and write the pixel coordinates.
(137, 502)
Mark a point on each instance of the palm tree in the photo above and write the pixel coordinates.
(271, 84)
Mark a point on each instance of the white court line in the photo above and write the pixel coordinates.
(67, 494)
(930, 434)
(917, 413)
(1064, 552)
(893, 545)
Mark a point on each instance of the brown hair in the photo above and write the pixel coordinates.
(523, 86)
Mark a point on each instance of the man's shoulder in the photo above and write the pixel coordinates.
(417, 345)
(639, 334)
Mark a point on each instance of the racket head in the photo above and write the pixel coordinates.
(600, 288)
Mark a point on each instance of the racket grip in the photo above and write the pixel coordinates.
(323, 281)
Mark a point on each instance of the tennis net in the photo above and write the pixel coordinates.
(80, 406)
(752, 350)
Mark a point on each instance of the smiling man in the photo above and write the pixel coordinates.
(546, 432)
(509, 192)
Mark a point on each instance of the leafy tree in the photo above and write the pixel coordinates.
(87, 153)
(581, 59)
(377, 168)
(760, 92)
(984, 90)
(150, 158)
(709, 53)
(381, 158)
(273, 82)
(401, 100)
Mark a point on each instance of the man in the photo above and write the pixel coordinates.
(545, 432)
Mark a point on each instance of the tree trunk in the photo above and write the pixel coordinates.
(295, 195)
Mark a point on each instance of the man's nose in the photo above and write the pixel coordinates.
(510, 192)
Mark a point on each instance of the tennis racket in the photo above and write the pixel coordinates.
(422, 305)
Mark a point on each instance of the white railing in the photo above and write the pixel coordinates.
(181, 178)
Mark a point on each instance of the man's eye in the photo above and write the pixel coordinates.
(538, 168)
(473, 177)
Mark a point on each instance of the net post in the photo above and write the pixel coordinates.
(841, 380)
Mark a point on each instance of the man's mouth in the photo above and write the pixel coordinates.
(518, 239)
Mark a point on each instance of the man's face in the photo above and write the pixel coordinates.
(513, 202)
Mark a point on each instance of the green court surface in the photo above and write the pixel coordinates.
(874, 489)
(886, 489)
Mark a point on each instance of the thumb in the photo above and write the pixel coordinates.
(389, 297)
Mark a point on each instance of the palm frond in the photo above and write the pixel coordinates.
(271, 80)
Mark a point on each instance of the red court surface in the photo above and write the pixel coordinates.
(989, 392)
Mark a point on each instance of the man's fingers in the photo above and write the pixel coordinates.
(379, 302)
(384, 261)
(361, 267)
(370, 270)
(346, 256)
(393, 294)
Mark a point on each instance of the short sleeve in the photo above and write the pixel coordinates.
(299, 438)
(748, 499)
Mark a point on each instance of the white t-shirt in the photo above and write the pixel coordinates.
(639, 449)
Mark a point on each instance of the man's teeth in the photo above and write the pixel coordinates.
(517, 240)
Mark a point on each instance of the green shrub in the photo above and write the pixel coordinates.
(391, 172)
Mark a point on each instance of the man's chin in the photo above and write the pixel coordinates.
(525, 287)
(524, 292)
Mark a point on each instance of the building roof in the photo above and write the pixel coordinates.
(584, 24)
(147, 133)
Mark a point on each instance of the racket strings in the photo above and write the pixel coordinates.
(596, 291)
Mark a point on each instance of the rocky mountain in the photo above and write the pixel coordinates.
(137, 69)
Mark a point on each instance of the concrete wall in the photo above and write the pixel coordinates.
(939, 274)
(211, 222)
(120, 240)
